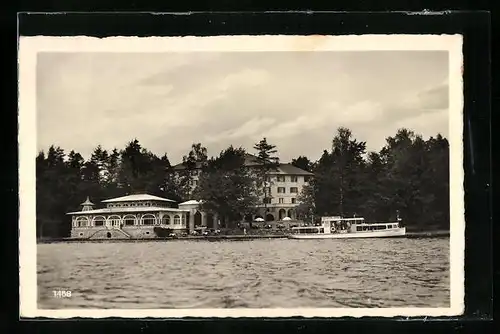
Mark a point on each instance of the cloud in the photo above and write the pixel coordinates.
(250, 128)
(297, 100)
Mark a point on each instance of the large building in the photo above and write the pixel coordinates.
(283, 188)
(129, 217)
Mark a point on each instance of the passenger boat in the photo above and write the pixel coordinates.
(344, 228)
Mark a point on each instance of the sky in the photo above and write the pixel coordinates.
(297, 100)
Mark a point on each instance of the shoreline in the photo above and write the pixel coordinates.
(238, 237)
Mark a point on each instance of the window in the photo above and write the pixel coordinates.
(294, 190)
(148, 220)
(99, 221)
(281, 190)
(281, 178)
(82, 222)
(293, 178)
(306, 178)
(268, 179)
(294, 200)
(280, 200)
(177, 220)
(165, 220)
(129, 220)
(267, 200)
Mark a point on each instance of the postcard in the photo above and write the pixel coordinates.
(241, 176)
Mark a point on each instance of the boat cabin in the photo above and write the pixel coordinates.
(337, 224)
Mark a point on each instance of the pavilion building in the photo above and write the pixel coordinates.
(129, 217)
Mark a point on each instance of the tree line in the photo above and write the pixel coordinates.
(409, 175)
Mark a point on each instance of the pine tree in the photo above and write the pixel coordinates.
(268, 162)
(302, 162)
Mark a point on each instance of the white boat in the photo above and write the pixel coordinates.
(344, 228)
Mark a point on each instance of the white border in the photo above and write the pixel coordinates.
(30, 46)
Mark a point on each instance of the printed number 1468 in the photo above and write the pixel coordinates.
(62, 293)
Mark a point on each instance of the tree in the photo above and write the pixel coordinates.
(192, 163)
(303, 162)
(409, 175)
(136, 164)
(227, 186)
(337, 185)
(268, 162)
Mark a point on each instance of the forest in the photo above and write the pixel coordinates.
(409, 176)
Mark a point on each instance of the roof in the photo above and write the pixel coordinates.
(252, 160)
(137, 197)
(127, 210)
(87, 202)
(290, 169)
(190, 202)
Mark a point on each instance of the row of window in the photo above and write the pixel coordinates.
(280, 200)
(129, 221)
(283, 178)
(293, 190)
(374, 228)
(282, 190)
(135, 204)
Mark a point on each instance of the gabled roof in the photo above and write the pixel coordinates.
(137, 197)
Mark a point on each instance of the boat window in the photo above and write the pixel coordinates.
(321, 230)
(359, 228)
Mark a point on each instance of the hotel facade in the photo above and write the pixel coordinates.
(282, 186)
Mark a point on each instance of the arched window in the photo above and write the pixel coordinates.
(99, 221)
(177, 220)
(82, 222)
(148, 219)
(165, 220)
(115, 220)
(129, 220)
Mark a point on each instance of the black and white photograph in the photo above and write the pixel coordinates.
(251, 176)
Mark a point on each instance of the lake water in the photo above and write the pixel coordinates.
(250, 274)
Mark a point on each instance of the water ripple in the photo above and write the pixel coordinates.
(258, 273)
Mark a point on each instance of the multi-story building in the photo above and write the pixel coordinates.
(283, 187)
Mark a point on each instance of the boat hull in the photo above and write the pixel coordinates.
(397, 232)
